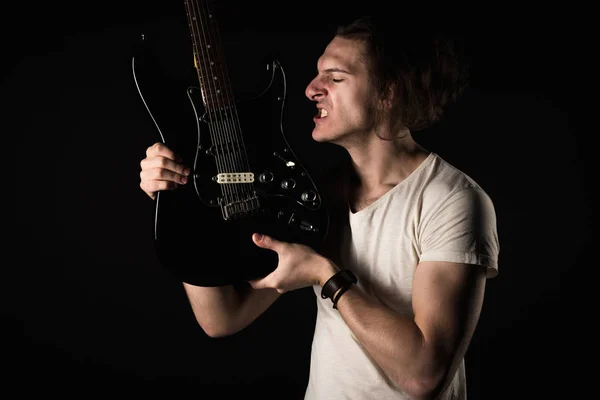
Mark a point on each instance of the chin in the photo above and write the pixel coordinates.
(319, 139)
(323, 136)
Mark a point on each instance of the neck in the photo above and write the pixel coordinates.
(381, 164)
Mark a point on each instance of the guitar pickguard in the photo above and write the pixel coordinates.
(273, 168)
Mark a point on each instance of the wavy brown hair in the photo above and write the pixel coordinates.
(419, 71)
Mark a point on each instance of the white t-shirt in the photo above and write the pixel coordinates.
(437, 213)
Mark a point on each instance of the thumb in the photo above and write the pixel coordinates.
(264, 241)
(258, 283)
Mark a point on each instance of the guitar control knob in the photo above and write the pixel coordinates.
(309, 196)
(265, 177)
(288, 184)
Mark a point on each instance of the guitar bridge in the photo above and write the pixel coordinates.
(236, 206)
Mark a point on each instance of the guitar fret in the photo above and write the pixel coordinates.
(212, 73)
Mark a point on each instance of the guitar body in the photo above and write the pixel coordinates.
(245, 178)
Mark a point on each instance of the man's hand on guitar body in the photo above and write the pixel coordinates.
(161, 170)
(299, 266)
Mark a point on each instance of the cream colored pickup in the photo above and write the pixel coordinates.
(235, 177)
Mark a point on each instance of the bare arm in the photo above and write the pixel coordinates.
(223, 311)
(421, 354)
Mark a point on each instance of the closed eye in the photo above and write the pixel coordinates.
(337, 80)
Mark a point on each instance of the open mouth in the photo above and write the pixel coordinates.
(322, 113)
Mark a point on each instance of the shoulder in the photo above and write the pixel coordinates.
(443, 180)
(443, 188)
(445, 177)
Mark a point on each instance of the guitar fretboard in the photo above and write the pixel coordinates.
(208, 55)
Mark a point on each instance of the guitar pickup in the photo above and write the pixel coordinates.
(235, 177)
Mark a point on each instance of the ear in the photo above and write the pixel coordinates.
(389, 96)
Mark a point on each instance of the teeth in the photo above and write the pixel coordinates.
(323, 112)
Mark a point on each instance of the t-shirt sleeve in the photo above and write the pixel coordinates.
(463, 229)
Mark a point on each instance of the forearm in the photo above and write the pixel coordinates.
(394, 341)
(214, 307)
(225, 310)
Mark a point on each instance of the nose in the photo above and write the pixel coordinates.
(314, 91)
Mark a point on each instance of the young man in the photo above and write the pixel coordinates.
(401, 284)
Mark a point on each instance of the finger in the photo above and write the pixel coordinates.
(157, 167)
(161, 174)
(265, 283)
(266, 242)
(258, 284)
(160, 149)
(154, 186)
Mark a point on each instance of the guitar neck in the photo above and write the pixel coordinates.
(209, 59)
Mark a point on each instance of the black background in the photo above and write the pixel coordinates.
(88, 306)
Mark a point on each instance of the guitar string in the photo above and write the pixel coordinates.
(247, 188)
(208, 24)
(230, 118)
(226, 107)
(203, 76)
(206, 16)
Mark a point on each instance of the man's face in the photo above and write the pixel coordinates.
(343, 93)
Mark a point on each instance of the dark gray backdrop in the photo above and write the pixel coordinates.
(85, 298)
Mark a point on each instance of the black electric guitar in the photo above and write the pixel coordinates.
(245, 177)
